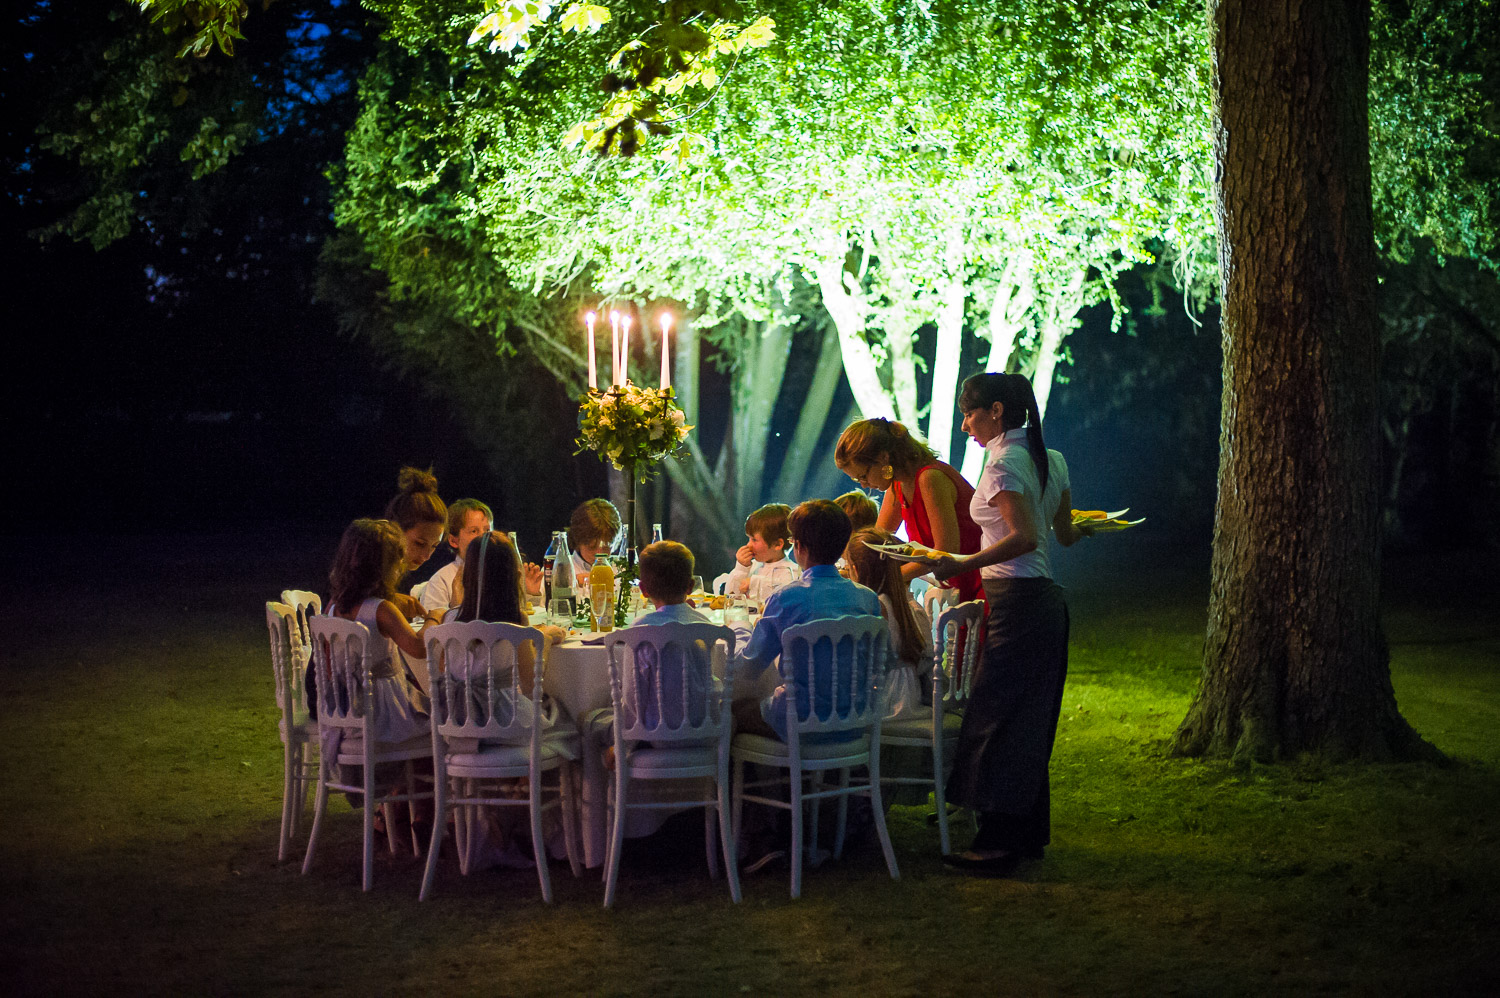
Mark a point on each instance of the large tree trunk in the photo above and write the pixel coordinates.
(1295, 658)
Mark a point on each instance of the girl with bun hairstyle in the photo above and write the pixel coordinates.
(1005, 743)
(420, 514)
(926, 494)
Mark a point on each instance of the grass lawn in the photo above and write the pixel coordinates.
(143, 784)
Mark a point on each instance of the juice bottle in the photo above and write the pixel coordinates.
(602, 584)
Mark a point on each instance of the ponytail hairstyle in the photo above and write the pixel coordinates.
(1013, 391)
(867, 439)
(872, 569)
(417, 502)
(492, 582)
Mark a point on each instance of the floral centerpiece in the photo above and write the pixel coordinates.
(632, 427)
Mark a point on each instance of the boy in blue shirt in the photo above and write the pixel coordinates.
(820, 531)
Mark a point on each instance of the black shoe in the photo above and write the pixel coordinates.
(1001, 865)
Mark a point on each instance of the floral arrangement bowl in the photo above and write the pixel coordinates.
(631, 426)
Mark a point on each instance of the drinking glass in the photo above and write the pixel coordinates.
(697, 586)
(602, 608)
(560, 612)
(736, 613)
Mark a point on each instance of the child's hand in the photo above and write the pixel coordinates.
(533, 576)
(743, 556)
(744, 586)
(557, 634)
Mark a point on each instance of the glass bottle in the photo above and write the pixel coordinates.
(655, 532)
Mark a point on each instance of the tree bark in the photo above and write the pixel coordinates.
(1295, 659)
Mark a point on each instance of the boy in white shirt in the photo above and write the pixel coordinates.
(467, 519)
(762, 566)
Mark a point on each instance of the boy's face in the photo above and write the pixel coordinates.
(475, 523)
(763, 552)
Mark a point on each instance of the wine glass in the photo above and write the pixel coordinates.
(602, 608)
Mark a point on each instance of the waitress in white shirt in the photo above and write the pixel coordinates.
(1005, 744)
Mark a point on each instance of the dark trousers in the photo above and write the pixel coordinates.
(1010, 723)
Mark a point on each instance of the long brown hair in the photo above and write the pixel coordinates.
(418, 501)
(492, 582)
(866, 439)
(881, 574)
(367, 564)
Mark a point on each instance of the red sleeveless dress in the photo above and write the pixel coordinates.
(914, 515)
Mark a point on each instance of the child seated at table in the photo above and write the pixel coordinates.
(820, 532)
(910, 628)
(666, 575)
(467, 519)
(369, 561)
(492, 591)
(592, 530)
(860, 508)
(761, 564)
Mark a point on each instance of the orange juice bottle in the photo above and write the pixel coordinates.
(602, 582)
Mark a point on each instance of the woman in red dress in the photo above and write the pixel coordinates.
(930, 497)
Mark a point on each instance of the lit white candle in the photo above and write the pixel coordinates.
(666, 370)
(614, 347)
(625, 350)
(588, 320)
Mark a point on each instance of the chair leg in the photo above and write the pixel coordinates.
(617, 832)
(814, 858)
(572, 836)
(389, 810)
(320, 804)
(794, 785)
(288, 781)
(739, 800)
(368, 816)
(538, 843)
(878, 806)
(843, 822)
(709, 847)
(727, 833)
(439, 826)
(938, 796)
(411, 807)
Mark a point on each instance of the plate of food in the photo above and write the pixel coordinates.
(910, 552)
(1101, 522)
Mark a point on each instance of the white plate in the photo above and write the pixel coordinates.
(1107, 526)
(894, 552)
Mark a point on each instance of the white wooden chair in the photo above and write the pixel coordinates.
(487, 727)
(823, 696)
(671, 722)
(935, 600)
(299, 770)
(951, 681)
(347, 707)
(717, 587)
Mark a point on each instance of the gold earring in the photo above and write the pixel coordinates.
(890, 473)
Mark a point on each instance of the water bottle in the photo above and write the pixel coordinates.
(655, 532)
(557, 550)
(562, 579)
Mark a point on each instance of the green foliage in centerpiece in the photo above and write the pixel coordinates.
(631, 427)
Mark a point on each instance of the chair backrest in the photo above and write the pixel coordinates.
(304, 605)
(288, 661)
(663, 690)
(717, 586)
(832, 670)
(344, 689)
(475, 684)
(935, 600)
(956, 648)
